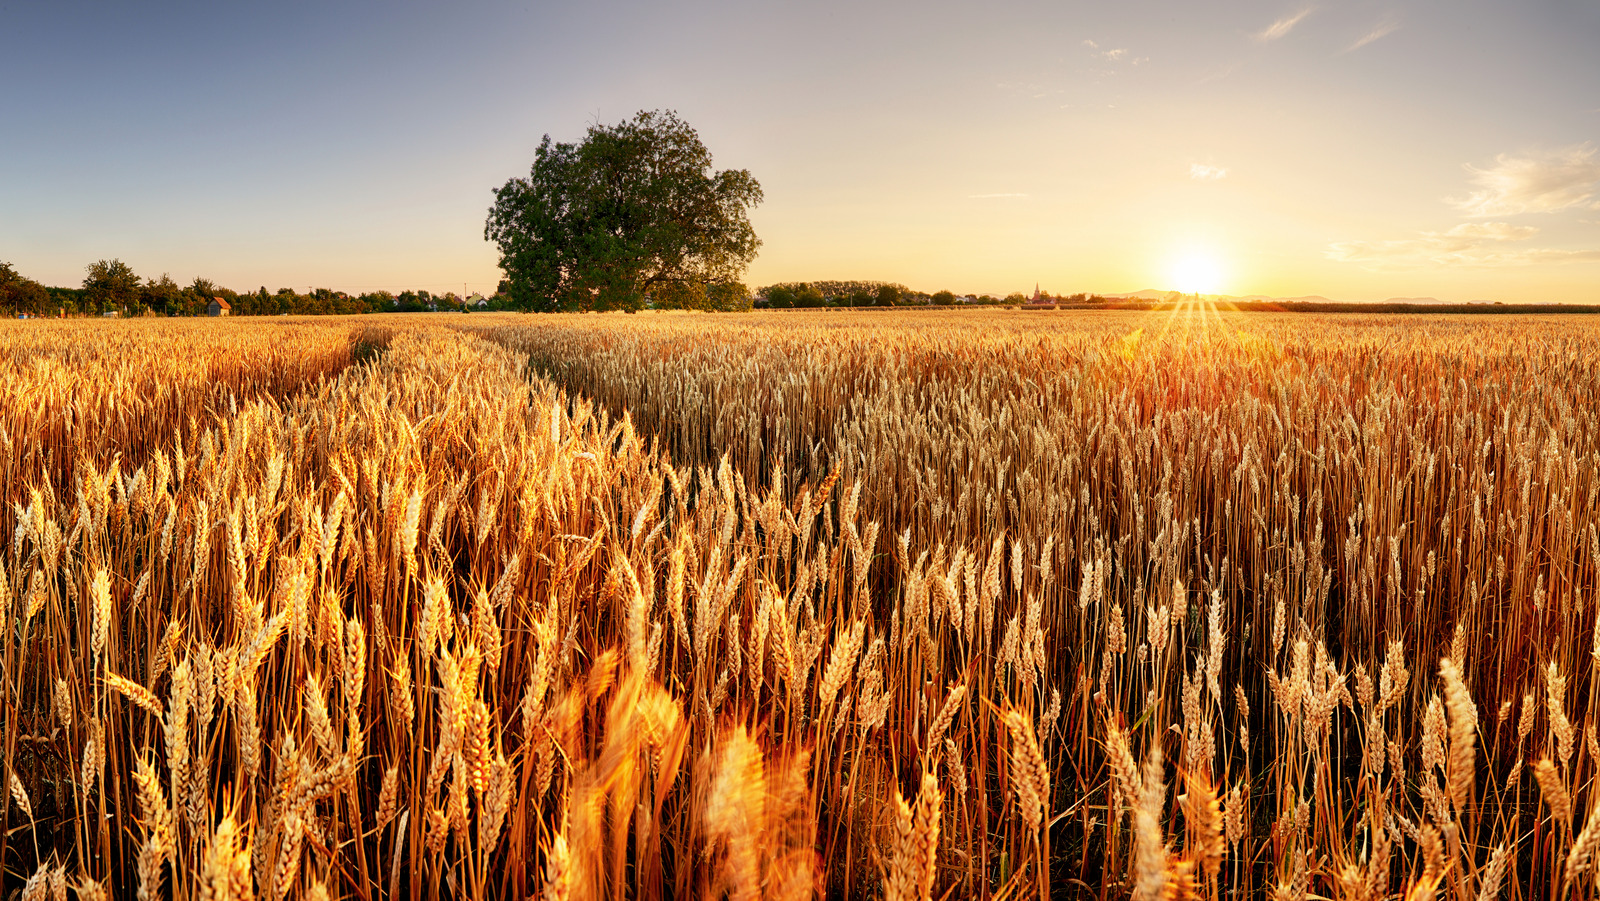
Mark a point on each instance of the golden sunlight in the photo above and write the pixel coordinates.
(1196, 272)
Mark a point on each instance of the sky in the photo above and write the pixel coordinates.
(1354, 150)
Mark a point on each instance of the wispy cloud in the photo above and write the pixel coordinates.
(1483, 244)
(1203, 172)
(1219, 73)
(1534, 184)
(1491, 231)
(1382, 30)
(992, 196)
(1283, 26)
(1114, 54)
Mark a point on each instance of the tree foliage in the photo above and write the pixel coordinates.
(112, 285)
(632, 211)
(19, 294)
(723, 297)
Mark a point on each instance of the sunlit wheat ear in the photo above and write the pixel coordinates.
(1203, 811)
(94, 753)
(388, 796)
(733, 811)
(1433, 865)
(100, 599)
(136, 693)
(1126, 781)
(947, 714)
(1236, 815)
(354, 674)
(226, 871)
(1493, 873)
(1029, 773)
(1151, 874)
(557, 870)
(900, 879)
(841, 663)
(477, 746)
(1463, 734)
(1555, 792)
(1393, 677)
(20, 795)
(316, 707)
(87, 889)
(1555, 703)
(158, 824)
(496, 802)
(37, 888)
(400, 696)
(925, 848)
(1116, 634)
(956, 769)
(62, 701)
(1580, 859)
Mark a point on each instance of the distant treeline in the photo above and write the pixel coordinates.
(792, 295)
(837, 293)
(833, 293)
(111, 286)
(1301, 306)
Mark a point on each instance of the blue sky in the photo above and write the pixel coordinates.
(1358, 150)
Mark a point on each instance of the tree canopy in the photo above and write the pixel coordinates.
(19, 294)
(111, 284)
(633, 211)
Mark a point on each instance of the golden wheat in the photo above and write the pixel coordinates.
(665, 606)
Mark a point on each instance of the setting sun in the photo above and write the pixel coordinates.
(1196, 272)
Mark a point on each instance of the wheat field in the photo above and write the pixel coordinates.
(881, 605)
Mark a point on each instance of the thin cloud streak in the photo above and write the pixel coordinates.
(1545, 183)
(1202, 172)
(1283, 26)
(992, 196)
(1383, 30)
(1219, 73)
(1478, 244)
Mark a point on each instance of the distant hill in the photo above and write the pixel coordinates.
(1417, 300)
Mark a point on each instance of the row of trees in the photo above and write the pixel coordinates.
(20, 294)
(831, 293)
(111, 286)
(834, 293)
(798, 295)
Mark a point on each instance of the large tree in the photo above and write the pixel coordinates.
(633, 210)
(111, 285)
